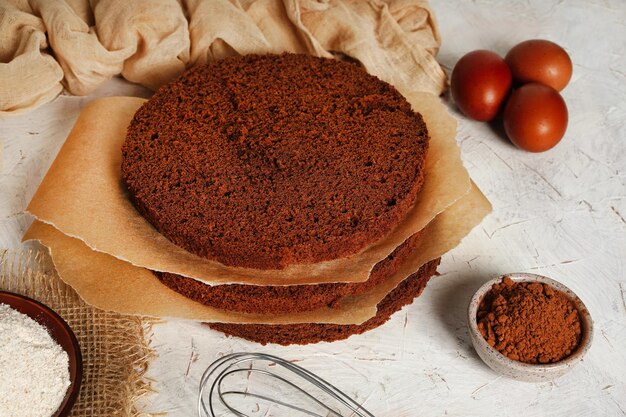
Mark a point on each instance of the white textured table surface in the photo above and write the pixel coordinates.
(561, 213)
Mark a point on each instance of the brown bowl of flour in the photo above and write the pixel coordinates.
(53, 369)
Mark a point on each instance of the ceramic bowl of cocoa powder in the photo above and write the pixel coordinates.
(529, 327)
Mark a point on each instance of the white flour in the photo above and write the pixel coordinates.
(34, 371)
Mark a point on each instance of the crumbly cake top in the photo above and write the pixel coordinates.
(263, 161)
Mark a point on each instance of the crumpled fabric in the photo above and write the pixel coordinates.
(48, 46)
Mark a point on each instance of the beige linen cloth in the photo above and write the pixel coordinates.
(49, 45)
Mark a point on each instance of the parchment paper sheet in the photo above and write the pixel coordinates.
(82, 196)
(111, 284)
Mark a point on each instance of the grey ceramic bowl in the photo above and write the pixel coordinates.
(519, 370)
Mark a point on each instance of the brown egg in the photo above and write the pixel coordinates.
(535, 117)
(479, 84)
(540, 61)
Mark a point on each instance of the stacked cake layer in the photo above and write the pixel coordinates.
(267, 161)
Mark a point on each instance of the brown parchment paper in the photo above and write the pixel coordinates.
(111, 284)
(83, 197)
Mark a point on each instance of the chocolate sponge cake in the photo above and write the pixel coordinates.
(286, 298)
(267, 161)
(287, 334)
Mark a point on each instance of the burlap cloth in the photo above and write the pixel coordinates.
(78, 44)
(115, 347)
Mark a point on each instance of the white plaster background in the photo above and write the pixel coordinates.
(561, 213)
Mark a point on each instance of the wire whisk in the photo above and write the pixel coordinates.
(249, 384)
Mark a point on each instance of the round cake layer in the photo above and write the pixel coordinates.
(267, 161)
(276, 299)
(301, 334)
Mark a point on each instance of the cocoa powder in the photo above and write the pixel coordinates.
(529, 322)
